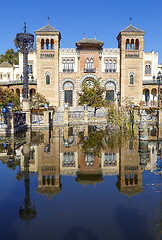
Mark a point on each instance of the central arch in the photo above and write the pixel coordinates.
(87, 76)
(68, 92)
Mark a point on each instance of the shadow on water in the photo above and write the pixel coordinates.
(80, 233)
(132, 225)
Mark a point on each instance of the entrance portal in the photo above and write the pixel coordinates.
(110, 95)
(69, 97)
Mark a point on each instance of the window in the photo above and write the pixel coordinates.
(110, 65)
(131, 79)
(89, 65)
(1, 75)
(42, 44)
(47, 79)
(127, 44)
(132, 44)
(68, 65)
(8, 76)
(137, 44)
(47, 44)
(148, 68)
(52, 44)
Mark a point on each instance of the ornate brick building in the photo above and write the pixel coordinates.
(59, 73)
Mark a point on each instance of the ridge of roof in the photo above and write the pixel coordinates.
(47, 28)
(131, 28)
(90, 40)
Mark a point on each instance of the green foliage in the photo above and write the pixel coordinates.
(10, 56)
(92, 94)
(38, 100)
(118, 118)
(93, 143)
(6, 95)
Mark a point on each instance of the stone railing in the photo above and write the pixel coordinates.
(42, 120)
(19, 119)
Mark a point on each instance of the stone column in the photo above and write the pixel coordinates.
(10, 123)
(85, 116)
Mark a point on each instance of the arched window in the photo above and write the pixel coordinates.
(42, 43)
(87, 63)
(132, 44)
(68, 65)
(137, 44)
(106, 65)
(110, 66)
(131, 79)
(91, 64)
(114, 65)
(47, 44)
(47, 79)
(127, 44)
(52, 44)
(148, 68)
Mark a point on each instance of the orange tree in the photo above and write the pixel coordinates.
(92, 94)
(6, 95)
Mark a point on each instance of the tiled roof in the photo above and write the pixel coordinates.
(89, 41)
(47, 28)
(131, 28)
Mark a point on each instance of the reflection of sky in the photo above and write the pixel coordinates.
(88, 212)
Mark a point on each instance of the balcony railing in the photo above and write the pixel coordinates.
(68, 70)
(110, 70)
(89, 70)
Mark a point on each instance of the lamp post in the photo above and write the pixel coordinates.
(159, 78)
(118, 99)
(25, 44)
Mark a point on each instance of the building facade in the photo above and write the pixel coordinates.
(59, 73)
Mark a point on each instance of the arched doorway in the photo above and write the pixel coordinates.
(68, 92)
(18, 92)
(32, 92)
(147, 95)
(110, 91)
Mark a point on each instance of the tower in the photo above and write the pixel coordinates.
(48, 43)
(130, 42)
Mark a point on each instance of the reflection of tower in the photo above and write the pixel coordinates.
(143, 140)
(49, 165)
(27, 210)
(130, 174)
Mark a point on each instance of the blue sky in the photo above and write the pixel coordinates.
(73, 18)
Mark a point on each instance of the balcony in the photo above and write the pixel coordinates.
(68, 70)
(110, 70)
(89, 70)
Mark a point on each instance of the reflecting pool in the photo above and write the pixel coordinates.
(80, 182)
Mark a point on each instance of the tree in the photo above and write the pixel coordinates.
(10, 56)
(93, 143)
(92, 94)
(6, 95)
(38, 100)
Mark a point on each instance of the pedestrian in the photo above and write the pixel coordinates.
(4, 111)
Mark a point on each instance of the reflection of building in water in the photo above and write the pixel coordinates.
(130, 173)
(49, 165)
(89, 168)
(110, 160)
(68, 151)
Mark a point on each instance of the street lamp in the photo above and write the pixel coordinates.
(25, 44)
(159, 78)
(118, 98)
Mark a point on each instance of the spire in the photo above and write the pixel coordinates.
(130, 21)
(95, 36)
(24, 27)
(83, 35)
(48, 20)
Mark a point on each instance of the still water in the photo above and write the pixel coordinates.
(80, 183)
